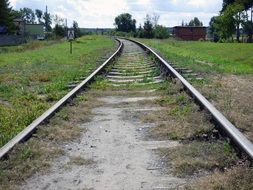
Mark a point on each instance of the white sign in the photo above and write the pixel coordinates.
(71, 34)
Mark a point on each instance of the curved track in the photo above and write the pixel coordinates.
(137, 71)
(114, 138)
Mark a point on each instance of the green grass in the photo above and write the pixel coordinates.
(27, 46)
(232, 58)
(32, 80)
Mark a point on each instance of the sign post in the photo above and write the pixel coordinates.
(71, 37)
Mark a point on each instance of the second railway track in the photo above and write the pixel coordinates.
(124, 157)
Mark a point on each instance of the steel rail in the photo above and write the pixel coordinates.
(236, 136)
(46, 115)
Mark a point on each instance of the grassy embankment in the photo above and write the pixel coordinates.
(34, 76)
(227, 71)
(232, 58)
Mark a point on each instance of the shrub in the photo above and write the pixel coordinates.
(161, 32)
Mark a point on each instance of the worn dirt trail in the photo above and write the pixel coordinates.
(118, 154)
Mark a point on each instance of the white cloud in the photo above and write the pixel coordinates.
(13, 2)
(197, 3)
(101, 13)
(143, 2)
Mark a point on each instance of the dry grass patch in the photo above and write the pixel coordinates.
(60, 132)
(180, 118)
(181, 130)
(27, 159)
(198, 157)
(79, 161)
(238, 177)
(233, 96)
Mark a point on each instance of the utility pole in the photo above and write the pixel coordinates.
(46, 21)
(66, 26)
(252, 13)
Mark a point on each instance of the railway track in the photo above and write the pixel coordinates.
(138, 70)
(133, 69)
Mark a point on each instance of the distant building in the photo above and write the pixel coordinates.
(20, 26)
(22, 33)
(28, 30)
(34, 30)
(190, 32)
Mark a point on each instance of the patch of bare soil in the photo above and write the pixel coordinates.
(116, 154)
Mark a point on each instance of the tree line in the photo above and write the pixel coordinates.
(194, 22)
(151, 29)
(37, 16)
(233, 19)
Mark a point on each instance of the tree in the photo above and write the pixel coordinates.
(155, 19)
(239, 17)
(76, 29)
(58, 20)
(237, 10)
(140, 32)
(59, 29)
(161, 32)
(39, 15)
(248, 29)
(213, 29)
(5, 14)
(16, 14)
(246, 4)
(125, 23)
(27, 15)
(148, 30)
(225, 23)
(195, 22)
(226, 3)
(47, 21)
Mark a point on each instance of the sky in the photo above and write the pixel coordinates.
(101, 13)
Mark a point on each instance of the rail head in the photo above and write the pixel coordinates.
(47, 114)
(236, 136)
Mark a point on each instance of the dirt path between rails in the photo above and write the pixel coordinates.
(122, 158)
(114, 153)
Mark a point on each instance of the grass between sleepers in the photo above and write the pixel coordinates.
(32, 80)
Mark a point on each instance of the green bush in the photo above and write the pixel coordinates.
(59, 30)
(161, 32)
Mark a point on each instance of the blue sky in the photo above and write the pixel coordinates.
(101, 13)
